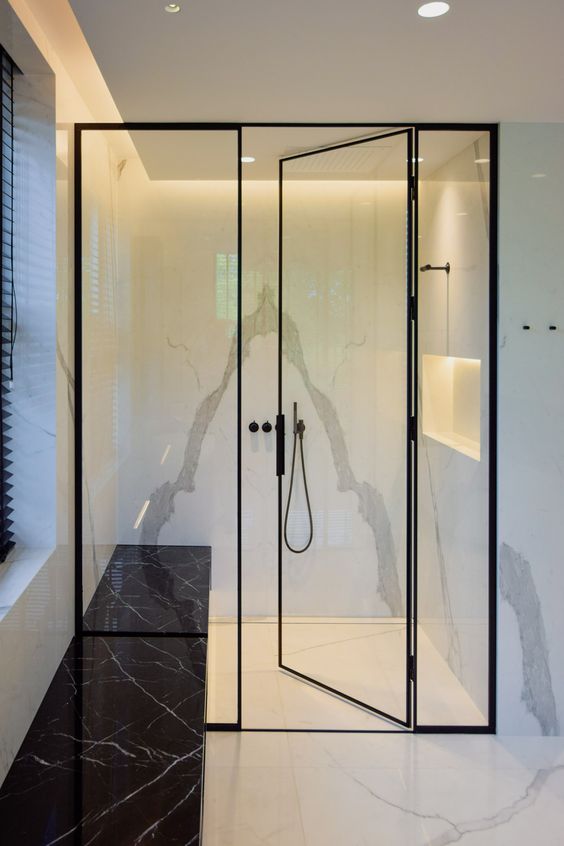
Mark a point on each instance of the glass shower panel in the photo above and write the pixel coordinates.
(159, 323)
(453, 443)
(344, 623)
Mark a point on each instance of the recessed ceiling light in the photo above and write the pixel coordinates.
(538, 175)
(433, 10)
(172, 8)
(481, 161)
(248, 159)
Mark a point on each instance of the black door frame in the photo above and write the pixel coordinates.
(409, 203)
(239, 127)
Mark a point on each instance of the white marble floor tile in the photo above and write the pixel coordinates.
(251, 806)
(384, 790)
(489, 808)
(262, 700)
(376, 751)
(356, 807)
(248, 749)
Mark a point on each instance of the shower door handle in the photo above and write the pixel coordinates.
(280, 432)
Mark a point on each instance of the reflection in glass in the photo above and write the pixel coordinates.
(159, 383)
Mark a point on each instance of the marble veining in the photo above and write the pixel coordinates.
(153, 589)
(517, 587)
(263, 321)
(453, 654)
(115, 752)
(456, 831)
(392, 789)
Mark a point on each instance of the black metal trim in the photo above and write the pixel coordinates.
(345, 696)
(280, 413)
(415, 398)
(80, 631)
(409, 439)
(493, 364)
(493, 195)
(492, 128)
(222, 727)
(78, 482)
(344, 144)
(327, 731)
(239, 424)
(408, 132)
(132, 633)
(404, 124)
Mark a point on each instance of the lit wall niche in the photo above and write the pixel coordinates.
(451, 402)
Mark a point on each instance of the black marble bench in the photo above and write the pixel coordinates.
(115, 752)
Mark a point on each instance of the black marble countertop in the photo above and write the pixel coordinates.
(153, 589)
(115, 752)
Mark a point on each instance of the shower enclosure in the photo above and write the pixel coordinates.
(211, 293)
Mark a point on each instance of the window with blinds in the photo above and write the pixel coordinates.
(8, 305)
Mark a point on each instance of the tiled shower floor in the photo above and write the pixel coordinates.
(364, 658)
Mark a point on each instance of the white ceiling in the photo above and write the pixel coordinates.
(324, 60)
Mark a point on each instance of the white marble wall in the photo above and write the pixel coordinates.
(531, 489)
(335, 352)
(160, 379)
(453, 559)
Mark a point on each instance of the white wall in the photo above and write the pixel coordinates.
(531, 450)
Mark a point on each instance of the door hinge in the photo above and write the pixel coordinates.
(412, 429)
(412, 308)
(412, 188)
(411, 667)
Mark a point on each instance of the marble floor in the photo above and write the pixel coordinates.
(285, 789)
(365, 659)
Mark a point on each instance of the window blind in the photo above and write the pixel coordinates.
(8, 304)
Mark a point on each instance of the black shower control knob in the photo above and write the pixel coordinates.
(267, 427)
(254, 426)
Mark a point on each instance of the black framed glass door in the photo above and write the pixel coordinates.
(345, 461)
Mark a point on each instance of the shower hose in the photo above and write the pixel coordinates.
(299, 430)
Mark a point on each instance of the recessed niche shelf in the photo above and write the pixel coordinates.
(451, 402)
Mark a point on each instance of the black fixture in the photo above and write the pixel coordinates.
(267, 426)
(426, 267)
(254, 426)
(299, 429)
